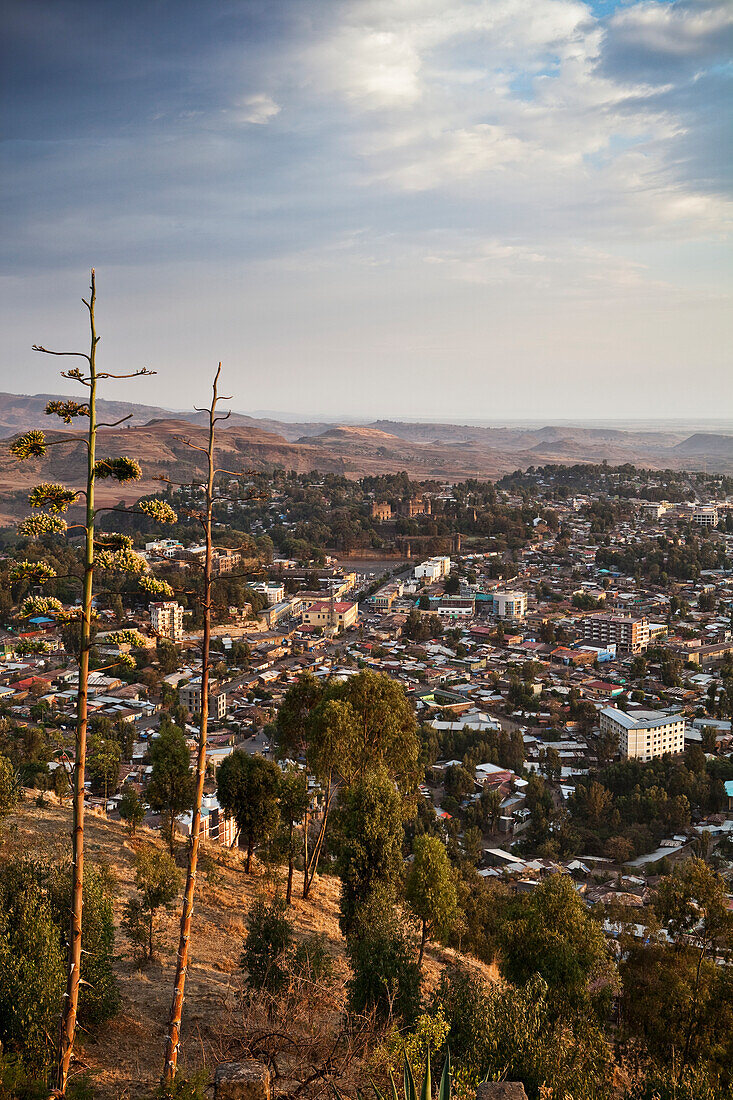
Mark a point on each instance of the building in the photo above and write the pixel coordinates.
(383, 599)
(705, 515)
(628, 633)
(456, 607)
(271, 590)
(166, 620)
(645, 734)
(339, 613)
(224, 560)
(189, 697)
(434, 569)
(510, 605)
(418, 506)
(167, 548)
(381, 511)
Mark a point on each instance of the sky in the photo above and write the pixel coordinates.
(450, 209)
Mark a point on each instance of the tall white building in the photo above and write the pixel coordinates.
(510, 605)
(645, 734)
(166, 620)
(434, 569)
(705, 515)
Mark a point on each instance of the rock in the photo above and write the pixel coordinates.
(242, 1081)
(501, 1090)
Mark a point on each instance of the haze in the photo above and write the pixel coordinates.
(450, 209)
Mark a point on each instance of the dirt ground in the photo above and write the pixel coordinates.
(124, 1058)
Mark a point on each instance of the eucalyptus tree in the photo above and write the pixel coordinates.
(109, 553)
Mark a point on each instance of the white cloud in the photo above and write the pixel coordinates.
(257, 109)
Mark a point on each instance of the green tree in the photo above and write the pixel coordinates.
(552, 934)
(132, 808)
(385, 976)
(170, 790)
(430, 890)
(369, 836)
(158, 882)
(105, 757)
(247, 789)
(293, 802)
(9, 787)
(268, 943)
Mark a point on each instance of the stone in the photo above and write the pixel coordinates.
(501, 1090)
(249, 1080)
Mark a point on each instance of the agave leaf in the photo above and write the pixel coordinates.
(410, 1090)
(377, 1092)
(427, 1082)
(445, 1089)
(394, 1086)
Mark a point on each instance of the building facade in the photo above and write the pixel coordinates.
(166, 620)
(434, 569)
(189, 697)
(645, 735)
(628, 633)
(510, 605)
(340, 614)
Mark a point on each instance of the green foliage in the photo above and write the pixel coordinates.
(158, 881)
(551, 934)
(312, 960)
(170, 790)
(369, 839)
(121, 469)
(31, 444)
(132, 808)
(430, 889)
(268, 943)
(247, 789)
(385, 976)
(34, 907)
(9, 787)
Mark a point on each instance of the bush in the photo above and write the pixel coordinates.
(386, 977)
(311, 959)
(35, 899)
(269, 938)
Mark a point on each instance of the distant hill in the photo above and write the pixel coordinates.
(707, 444)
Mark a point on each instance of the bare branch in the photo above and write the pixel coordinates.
(80, 354)
(114, 423)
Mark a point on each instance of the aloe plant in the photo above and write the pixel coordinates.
(409, 1088)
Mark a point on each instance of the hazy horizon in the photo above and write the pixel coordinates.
(379, 209)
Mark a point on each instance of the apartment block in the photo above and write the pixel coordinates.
(510, 605)
(628, 633)
(434, 569)
(340, 613)
(166, 620)
(647, 734)
(189, 697)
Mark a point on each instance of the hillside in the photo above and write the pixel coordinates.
(124, 1058)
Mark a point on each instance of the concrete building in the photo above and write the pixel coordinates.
(630, 634)
(510, 605)
(166, 620)
(271, 590)
(645, 734)
(189, 697)
(454, 607)
(341, 614)
(705, 515)
(434, 569)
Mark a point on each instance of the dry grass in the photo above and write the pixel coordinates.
(124, 1058)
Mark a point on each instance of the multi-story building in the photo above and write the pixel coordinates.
(705, 515)
(381, 511)
(383, 599)
(510, 605)
(629, 633)
(189, 697)
(645, 734)
(326, 613)
(271, 590)
(434, 569)
(224, 560)
(455, 607)
(166, 620)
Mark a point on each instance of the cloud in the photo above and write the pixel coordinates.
(257, 109)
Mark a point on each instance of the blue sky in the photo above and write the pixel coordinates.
(459, 208)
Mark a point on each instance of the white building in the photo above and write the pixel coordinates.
(510, 605)
(271, 590)
(705, 515)
(645, 734)
(434, 569)
(166, 620)
(167, 548)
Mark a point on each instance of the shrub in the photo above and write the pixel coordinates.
(269, 938)
(386, 977)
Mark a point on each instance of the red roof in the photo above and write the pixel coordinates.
(324, 605)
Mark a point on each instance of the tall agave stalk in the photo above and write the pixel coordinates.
(115, 554)
(173, 1035)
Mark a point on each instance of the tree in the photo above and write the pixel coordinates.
(293, 801)
(269, 939)
(111, 553)
(370, 834)
(247, 789)
(490, 803)
(132, 808)
(553, 935)
(158, 882)
(9, 788)
(385, 977)
(430, 890)
(105, 757)
(170, 790)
